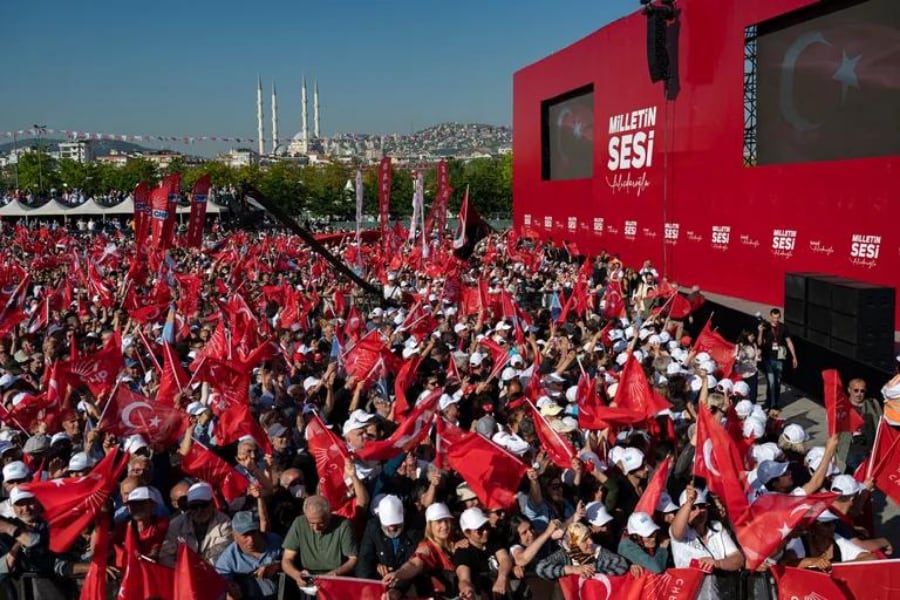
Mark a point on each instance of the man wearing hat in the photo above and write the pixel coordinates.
(473, 561)
(251, 562)
(386, 543)
(204, 529)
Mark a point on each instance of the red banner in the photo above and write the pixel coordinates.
(171, 184)
(872, 580)
(159, 213)
(840, 414)
(199, 194)
(141, 216)
(384, 196)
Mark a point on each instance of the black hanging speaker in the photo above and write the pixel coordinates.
(657, 55)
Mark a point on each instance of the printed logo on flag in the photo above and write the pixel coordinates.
(630, 229)
(572, 223)
(548, 222)
(783, 242)
(527, 219)
(159, 214)
(598, 225)
(670, 233)
(199, 198)
(864, 250)
(630, 149)
(721, 236)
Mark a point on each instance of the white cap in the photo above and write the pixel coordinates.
(827, 517)
(135, 442)
(80, 461)
(795, 434)
(845, 485)
(701, 497)
(813, 459)
(741, 388)
(743, 408)
(437, 512)
(60, 436)
(754, 428)
(673, 368)
(195, 408)
(446, 400)
(615, 454)
(632, 459)
(15, 471)
(459, 328)
(17, 494)
(199, 492)
(309, 383)
(410, 351)
(701, 357)
(767, 451)
(551, 409)
(665, 504)
(139, 494)
(471, 519)
(725, 386)
(641, 524)
(511, 442)
(508, 374)
(390, 511)
(476, 359)
(596, 514)
(359, 419)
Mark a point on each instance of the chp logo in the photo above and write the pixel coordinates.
(527, 219)
(670, 233)
(784, 241)
(572, 224)
(630, 229)
(598, 225)
(721, 237)
(548, 222)
(630, 149)
(864, 250)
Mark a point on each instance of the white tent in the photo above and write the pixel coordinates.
(53, 208)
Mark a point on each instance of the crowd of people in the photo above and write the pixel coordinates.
(293, 429)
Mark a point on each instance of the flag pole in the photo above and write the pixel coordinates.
(874, 452)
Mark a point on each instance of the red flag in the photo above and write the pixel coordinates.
(408, 435)
(840, 413)
(404, 379)
(141, 197)
(129, 413)
(171, 184)
(364, 358)
(159, 213)
(655, 487)
(342, 588)
(558, 448)
(615, 302)
(719, 461)
(805, 583)
(196, 579)
(236, 421)
(331, 456)
(499, 355)
(384, 199)
(94, 587)
(672, 584)
(887, 467)
(203, 464)
(13, 312)
(768, 522)
(602, 587)
(199, 194)
(493, 473)
(142, 578)
(173, 378)
(593, 414)
(71, 504)
(871, 580)
(98, 371)
(634, 392)
(721, 350)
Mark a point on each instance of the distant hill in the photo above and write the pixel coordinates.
(101, 147)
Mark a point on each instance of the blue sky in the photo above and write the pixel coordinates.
(190, 67)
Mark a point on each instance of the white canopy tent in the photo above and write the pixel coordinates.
(87, 208)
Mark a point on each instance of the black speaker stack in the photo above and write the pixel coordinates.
(851, 318)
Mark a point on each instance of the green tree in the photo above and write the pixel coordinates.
(37, 172)
(281, 183)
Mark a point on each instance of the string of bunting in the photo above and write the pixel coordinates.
(74, 135)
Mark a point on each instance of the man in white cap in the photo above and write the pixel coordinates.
(473, 562)
(204, 529)
(386, 543)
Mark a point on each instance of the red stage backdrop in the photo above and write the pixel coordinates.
(696, 210)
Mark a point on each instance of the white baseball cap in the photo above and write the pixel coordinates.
(80, 461)
(795, 434)
(596, 514)
(199, 492)
(665, 504)
(754, 428)
(701, 497)
(135, 442)
(140, 494)
(632, 460)
(15, 471)
(743, 408)
(359, 419)
(17, 494)
(390, 511)
(446, 400)
(813, 459)
(741, 388)
(472, 519)
(437, 512)
(641, 524)
(845, 485)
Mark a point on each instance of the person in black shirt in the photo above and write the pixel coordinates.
(775, 345)
(477, 563)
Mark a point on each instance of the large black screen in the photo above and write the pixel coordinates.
(567, 136)
(829, 83)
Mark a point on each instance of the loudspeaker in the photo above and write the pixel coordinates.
(872, 304)
(795, 310)
(818, 337)
(795, 284)
(857, 330)
(657, 55)
(818, 290)
(818, 318)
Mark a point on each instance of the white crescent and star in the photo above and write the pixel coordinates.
(126, 414)
(707, 458)
(846, 74)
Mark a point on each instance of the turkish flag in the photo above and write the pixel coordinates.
(70, 504)
(593, 414)
(199, 195)
(718, 460)
(98, 371)
(557, 447)
(886, 471)
(200, 462)
(615, 302)
(365, 357)
(602, 587)
(142, 578)
(196, 579)
(408, 435)
(493, 473)
(499, 355)
(342, 588)
(331, 456)
(94, 586)
(634, 392)
(805, 583)
(768, 522)
(128, 413)
(173, 378)
(829, 87)
(236, 421)
(721, 350)
(871, 580)
(655, 487)
(152, 313)
(840, 413)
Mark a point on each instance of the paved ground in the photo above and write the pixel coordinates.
(811, 415)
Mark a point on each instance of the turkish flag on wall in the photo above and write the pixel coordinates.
(840, 413)
(805, 583)
(129, 413)
(71, 504)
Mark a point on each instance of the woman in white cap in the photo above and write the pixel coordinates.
(820, 546)
(642, 545)
(431, 565)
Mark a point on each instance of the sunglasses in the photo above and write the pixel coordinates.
(481, 529)
(198, 505)
(858, 390)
